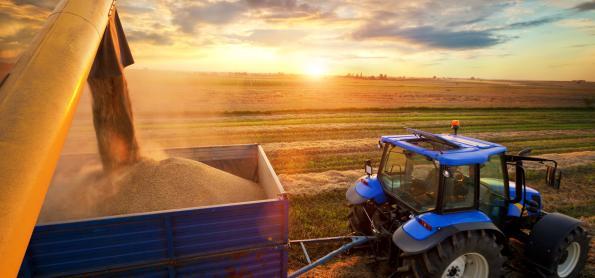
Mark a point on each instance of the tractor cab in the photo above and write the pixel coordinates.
(444, 173)
(448, 173)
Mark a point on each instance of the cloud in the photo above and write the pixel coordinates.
(22, 36)
(581, 45)
(20, 23)
(46, 4)
(286, 9)
(150, 37)
(130, 8)
(284, 4)
(358, 57)
(5, 18)
(274, 37)
(586, 6)
(455, 27)
(187, 17)
(12, 44)
(434, 24)
(534, 22)
(431, 37)
(466, 22)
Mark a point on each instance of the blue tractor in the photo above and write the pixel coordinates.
(445, 206)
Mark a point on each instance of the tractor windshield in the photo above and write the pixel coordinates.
(410, 177)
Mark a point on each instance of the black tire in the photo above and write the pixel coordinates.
(359, 221)
(434, 262)
(580, 236)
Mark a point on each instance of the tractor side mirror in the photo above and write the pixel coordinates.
(368, 167)
(553, 176)
(519, 182)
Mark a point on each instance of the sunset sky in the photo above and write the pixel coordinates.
(545, 40)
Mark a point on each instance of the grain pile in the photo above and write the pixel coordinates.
(148, 185)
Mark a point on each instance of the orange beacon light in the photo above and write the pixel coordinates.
(454, 124)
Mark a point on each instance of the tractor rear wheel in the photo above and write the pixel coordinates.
(359, 221)
(572, 254)
(465, 254)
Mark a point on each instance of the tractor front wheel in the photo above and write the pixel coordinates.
(359, 221)
(465, 254)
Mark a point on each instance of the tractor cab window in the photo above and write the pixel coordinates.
(459, 187)
(412, 178)
(492, 182)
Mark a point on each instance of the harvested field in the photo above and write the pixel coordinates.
(318, 134)
(313, 183)
(149, 185)
(195, 93)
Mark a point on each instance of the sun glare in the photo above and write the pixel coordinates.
(316, 68)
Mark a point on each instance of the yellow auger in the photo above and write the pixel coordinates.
(37, 102)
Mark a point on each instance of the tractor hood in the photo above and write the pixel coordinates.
(530, 194)
(366, 188)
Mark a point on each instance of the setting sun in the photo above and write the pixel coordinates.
(316, 68)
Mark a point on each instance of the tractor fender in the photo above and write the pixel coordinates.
(547, 234)
(366, 188)
(413, 246)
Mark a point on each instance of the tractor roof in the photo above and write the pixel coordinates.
(452, 150)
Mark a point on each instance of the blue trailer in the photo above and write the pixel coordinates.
(239, 239)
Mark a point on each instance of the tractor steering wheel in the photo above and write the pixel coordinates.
(458, 176)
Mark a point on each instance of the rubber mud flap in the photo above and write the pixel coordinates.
(547, 234)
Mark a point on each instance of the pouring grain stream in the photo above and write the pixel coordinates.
(112, 111)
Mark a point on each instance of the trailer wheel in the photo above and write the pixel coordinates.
(571, 254)
(359, 221)
(465, 254)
